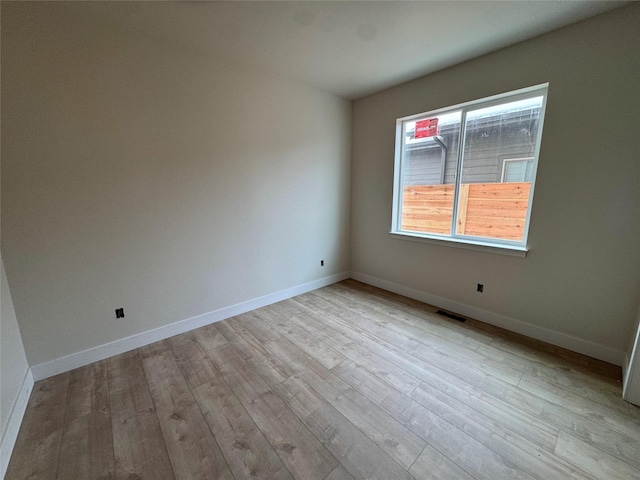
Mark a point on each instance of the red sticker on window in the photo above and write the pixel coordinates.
(426, 128)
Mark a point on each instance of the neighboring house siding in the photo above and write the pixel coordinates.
(488, 143)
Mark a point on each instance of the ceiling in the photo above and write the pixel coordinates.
(347, 48)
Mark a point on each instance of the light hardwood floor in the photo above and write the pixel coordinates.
(345, 382)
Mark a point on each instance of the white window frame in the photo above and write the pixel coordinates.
(495, 245)
(507, 160)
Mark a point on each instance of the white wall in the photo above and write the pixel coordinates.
(582, 274)
(14, 380)
(141, 175)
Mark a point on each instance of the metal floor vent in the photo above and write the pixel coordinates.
(444, 313)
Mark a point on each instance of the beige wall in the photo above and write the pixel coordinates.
(13, 362)
(140, 175)
(582, 274)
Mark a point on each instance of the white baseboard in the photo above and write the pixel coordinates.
(10, 434)
(85, 357)
(575, 344)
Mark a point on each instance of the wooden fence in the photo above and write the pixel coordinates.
(493, 210)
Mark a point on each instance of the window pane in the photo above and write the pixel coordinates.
(517, 170)
(428, 173)
(487, 207)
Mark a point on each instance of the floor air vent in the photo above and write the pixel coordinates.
(444, 313)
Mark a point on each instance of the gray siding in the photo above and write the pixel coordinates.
(489, 141)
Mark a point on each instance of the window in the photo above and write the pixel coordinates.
(466, 173)
(517, 169)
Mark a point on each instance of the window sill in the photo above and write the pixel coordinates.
(498, 248)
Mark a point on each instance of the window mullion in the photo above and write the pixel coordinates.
(458, 177)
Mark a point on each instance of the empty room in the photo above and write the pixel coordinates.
(320, 240)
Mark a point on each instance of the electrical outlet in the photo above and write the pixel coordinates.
(322, 263)
(119, 312)
(480, 288)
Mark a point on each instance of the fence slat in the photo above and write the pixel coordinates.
(463, 202)
(493, 210)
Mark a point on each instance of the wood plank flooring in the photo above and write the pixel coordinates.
(346, 382)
